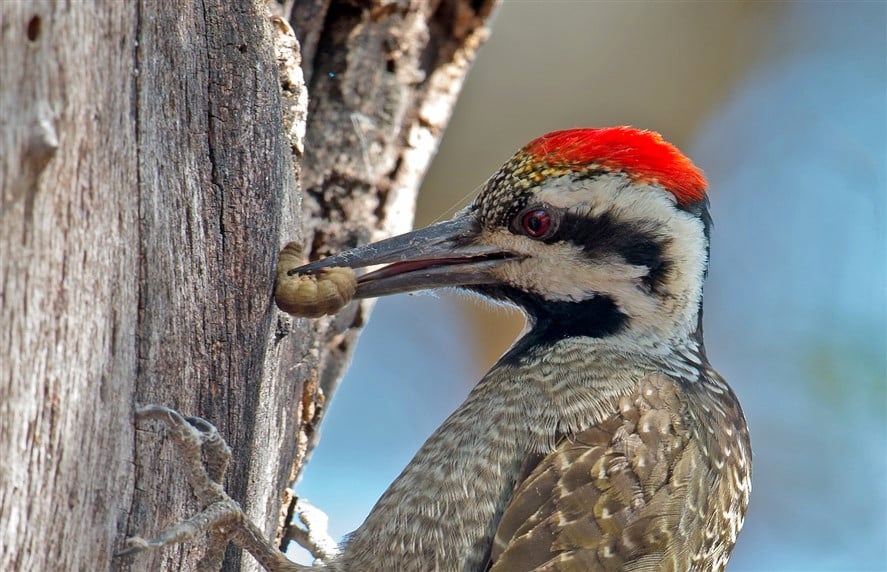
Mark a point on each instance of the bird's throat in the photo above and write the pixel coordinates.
(554, 320)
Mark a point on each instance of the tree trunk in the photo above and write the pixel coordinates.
(151, 156)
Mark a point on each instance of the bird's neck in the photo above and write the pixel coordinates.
(565, 386)
(457, 485)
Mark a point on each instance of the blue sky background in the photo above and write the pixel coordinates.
(794, 142)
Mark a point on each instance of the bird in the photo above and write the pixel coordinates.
(603, 439)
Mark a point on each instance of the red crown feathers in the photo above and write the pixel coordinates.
(642, 155)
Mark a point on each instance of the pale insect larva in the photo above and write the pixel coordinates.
(311, 295)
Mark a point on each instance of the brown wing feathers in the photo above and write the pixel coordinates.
(614, 497)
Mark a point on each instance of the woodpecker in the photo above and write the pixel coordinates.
(602, 439)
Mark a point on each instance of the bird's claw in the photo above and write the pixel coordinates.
(205, 457)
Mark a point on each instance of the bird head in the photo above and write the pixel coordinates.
(591, 232)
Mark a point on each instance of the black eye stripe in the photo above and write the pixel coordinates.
(601, 235)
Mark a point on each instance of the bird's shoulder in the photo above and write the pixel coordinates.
(630, 492)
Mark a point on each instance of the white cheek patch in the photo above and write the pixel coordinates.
(561, 272)
(552, 271)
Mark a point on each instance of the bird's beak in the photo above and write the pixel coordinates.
(440, 255)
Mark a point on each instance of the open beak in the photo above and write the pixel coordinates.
(440, 255)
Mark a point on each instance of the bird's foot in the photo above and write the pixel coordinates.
(205, 457)
(314, 537)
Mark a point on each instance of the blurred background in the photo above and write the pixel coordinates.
(784, 105)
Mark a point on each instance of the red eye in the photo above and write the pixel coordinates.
(536, 223)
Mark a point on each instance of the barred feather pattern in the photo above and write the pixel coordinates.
(630, 466)
(660, 485)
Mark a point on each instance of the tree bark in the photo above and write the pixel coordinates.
(151, 156)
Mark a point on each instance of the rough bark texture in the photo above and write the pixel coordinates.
(150, 160)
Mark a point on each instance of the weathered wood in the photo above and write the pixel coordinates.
(149, 166)
(69, 295)
(214, 172)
